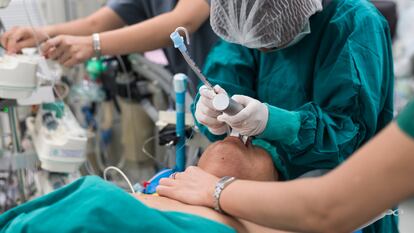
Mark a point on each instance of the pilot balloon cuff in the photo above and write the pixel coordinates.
(282, 126)
(220, 186)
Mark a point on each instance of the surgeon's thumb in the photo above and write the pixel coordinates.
(219, 90)
(224, 118)
(242, 99)
(206, 92)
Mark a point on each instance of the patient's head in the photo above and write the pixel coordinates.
(231, 157)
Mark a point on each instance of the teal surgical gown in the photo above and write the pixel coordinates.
(406, 119)
(95, 206)
(339, 79)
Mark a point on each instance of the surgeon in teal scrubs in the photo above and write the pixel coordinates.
(315, 77)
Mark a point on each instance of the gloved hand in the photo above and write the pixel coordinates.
(252, 120)
(205, 112)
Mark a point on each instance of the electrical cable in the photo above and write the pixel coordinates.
(89, 169)
(147, 153)
(42, 62)
(160, 135)
(98, 148)
(125, 71)
(122, 174)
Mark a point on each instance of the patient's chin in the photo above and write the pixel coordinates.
(231, 157)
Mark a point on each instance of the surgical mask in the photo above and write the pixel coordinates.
(306, 31)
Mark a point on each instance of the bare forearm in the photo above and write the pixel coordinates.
(103, 20)
(374, 179)
(150, 35)
(165, 204)
(154, 33)
(284, 206)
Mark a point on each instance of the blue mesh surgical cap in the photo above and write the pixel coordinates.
(261, 23)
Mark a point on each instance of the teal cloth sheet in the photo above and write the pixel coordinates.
(91, 204)
(406, 119)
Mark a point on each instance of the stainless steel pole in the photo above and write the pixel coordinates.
(17, 148)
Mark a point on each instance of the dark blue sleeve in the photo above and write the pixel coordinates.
(130, 11)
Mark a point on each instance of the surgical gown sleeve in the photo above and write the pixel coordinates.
(351, 98)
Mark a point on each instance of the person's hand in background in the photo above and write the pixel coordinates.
(19, 38)
(69, 50)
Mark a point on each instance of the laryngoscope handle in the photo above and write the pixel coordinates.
(234, 108)
(223, 103)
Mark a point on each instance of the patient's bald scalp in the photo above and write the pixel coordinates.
(231, 157)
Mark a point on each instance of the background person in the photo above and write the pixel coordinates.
(150, 24)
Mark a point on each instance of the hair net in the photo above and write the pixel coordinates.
(261, 23)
